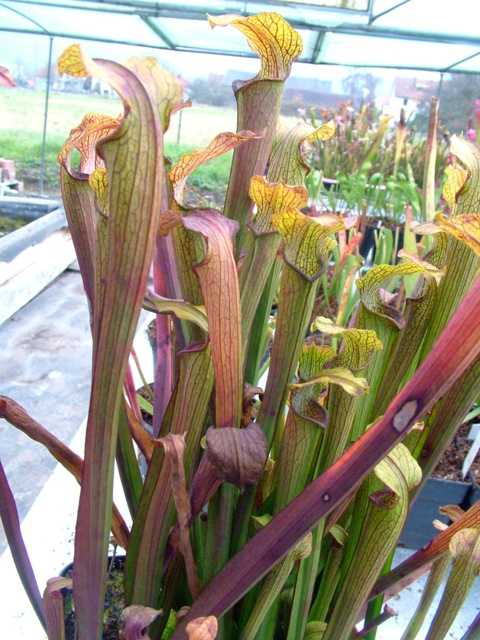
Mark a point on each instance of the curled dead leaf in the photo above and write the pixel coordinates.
(452, 511)
(202, 628)
(174, 446)
(135, 621)
(238, 455)
(249, 405)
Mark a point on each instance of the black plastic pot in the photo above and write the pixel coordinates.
(435, 493)
(118, 564)
(330, 184)
(367, 244)
(368, 240)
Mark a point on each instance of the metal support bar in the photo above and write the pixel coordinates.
(318, 47)
(440, 87)
(45, 118)
(370, 10)
(455, 64)
(24, 15)
(158, 31)
(384, 13)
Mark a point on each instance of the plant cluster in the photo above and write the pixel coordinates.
(370, 166)
(268, 510)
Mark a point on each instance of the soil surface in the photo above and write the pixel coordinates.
(114, 602)
(450, 466)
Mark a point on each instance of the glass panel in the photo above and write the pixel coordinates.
(309, 39)
(198, 34)
(459, 18)
(92, 24)
(227, 6)
(22, 108)
(379, 6)
(312, 16)
(352, 5)
(390, 52)
(11, 20)
(470, 65)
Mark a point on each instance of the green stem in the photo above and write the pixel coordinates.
(219, 533)
(328, 585)
(219, 528)
(258, 338)
(127, 464)
(374, 607)
(307, 574)
(435, 577)
(296, 299)
(269, 593)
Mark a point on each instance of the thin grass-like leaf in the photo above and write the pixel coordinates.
(11, 526)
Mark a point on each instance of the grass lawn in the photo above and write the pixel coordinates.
(21, 124)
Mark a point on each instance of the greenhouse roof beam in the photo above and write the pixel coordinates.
(24, 15)
(318, 47)
(159, 32)
(384, 13)
(466, 59)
